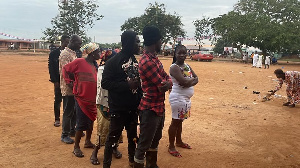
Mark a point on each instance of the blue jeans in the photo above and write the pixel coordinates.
(151, 126)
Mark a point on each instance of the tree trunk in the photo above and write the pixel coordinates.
(240, 50)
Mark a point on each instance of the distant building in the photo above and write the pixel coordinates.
(18, 44)
(23, 44)
(193, 47)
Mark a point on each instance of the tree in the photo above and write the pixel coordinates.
(285, 18)
(220, 44)
(75, 17)
(170, 25)
(271, 25)
(173, 29)
(203, 30)
(236, 29)
(111, 45)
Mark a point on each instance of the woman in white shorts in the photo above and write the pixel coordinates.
(183, 78)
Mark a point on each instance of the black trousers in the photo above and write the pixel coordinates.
(119, 120)
(57, 102)
(69, 116)
(151, 126)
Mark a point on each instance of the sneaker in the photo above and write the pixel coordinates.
(67, 140)
(56, 123)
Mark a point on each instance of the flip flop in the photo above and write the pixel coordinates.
(184, 145)
(89, 146)
(57, 123)
(95, 161)
(78, 153)
(175, 153)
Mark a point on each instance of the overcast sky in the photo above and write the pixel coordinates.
(28, 18)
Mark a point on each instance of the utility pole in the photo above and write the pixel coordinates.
(34, 45)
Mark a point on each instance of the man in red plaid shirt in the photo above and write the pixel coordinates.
(155, 82)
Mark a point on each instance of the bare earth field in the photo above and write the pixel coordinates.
(229, 126)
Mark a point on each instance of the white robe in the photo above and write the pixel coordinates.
(268, 60)
(259, 61)
(255, 59)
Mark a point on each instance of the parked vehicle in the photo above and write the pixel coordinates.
(201, 56)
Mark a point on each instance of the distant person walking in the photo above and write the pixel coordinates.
(53, 65)
(245, 57)
(12, 46)
(155, 82)
(69, 118)
(259, 61)
(267, 61)
(292, 80)
(251, 56)
(183, 78)
(82, 74)
(255, 59)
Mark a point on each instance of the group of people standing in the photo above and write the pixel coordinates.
(58, 58)
(257, 60)
(121, 93)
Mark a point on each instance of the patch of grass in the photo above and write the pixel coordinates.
(290, 60)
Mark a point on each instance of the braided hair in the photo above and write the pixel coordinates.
(177, 48)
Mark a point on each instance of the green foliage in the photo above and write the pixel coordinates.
(271, 25)
(220, 44)
(75, 17)
(111, 45)
(203, 29)
(169, 25)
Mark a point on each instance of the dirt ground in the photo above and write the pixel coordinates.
(229, 126)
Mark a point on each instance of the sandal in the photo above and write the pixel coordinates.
(286, 104)
(78, 153)
(291, 105)
(94, 161)
(56, 123)
(175, 153)
(184, 145)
